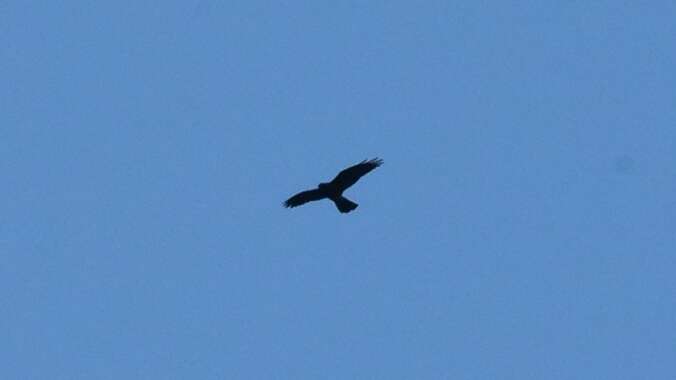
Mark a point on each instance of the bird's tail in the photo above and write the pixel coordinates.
(345, 205)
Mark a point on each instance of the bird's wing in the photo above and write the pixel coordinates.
(304, 197)
(351, 175)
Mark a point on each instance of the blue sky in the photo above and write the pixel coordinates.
(522, 226)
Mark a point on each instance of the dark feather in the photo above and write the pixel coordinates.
(351, 175)
(304, 197)
(344, 205)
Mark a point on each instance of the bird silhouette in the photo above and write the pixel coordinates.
(334, 190)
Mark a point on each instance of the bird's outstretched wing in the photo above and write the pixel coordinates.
(351, 175)
(304, 197)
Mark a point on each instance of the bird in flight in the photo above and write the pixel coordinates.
(334, 190)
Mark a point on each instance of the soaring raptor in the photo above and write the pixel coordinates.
(334, 190)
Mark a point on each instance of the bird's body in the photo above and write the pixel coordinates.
(334, 190)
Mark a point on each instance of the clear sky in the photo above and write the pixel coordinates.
(522, 226)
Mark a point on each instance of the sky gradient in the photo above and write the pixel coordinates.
(522, 226)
